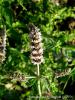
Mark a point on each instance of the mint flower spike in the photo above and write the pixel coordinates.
(2, 44)
(36, 45)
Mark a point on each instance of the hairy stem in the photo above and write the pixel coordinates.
(38, 73)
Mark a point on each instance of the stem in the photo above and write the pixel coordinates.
(38, 74)
(30, 77)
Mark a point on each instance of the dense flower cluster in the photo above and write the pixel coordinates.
(36, 45)
(2, 44)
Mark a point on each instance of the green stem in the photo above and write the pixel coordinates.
(38, 73)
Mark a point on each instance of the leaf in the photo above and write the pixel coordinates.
(8, 16)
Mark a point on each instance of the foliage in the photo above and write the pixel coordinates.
(58, 44)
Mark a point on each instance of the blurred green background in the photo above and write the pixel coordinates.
(56, 21)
